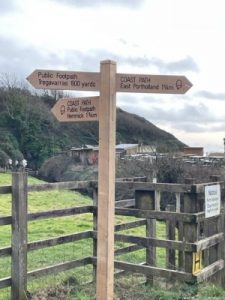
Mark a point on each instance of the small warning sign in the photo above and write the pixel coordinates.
(197, 262)
(212, 200)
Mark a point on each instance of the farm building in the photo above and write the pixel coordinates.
(132, 149)
(199, 151)
(87, 154)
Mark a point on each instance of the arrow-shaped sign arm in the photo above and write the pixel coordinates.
(162, 84)
(186, 85)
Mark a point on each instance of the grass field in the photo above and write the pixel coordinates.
(66, 281)
(44, 229)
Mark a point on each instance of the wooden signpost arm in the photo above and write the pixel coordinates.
(106, 188)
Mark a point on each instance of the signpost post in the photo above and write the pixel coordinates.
(103, 108)
(106, 182)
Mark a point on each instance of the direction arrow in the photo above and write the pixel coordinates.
(163, 84)
(76, 109)
(64, 80)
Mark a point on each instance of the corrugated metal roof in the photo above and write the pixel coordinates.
(126, 146)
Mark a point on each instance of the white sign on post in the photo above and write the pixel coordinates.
(212, 200)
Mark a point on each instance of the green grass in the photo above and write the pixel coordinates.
(6, 179)
(44, 229)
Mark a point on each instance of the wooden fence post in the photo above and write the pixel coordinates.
(210, 228)
(213, 226)
(185, 207)
(19, 236)
(180, 232)
(146, 200)
(223, 230)
(170, 235)
(95, 203)
(190, 229)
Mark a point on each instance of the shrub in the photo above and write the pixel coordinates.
(3, 158)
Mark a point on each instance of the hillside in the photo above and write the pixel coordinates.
(28, 129)
(132, 128)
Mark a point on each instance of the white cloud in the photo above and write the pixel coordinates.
(7, 6)
(210, 95)
(97, 3)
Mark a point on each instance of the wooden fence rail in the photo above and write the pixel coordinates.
(187, 232)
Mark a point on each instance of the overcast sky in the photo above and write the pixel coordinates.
(163, 37)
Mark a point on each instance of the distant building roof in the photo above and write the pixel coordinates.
(81, 149)
(193, 147)
(216, 154)
(91, 147)
(126, 146)
(194, 150)
(84, 147)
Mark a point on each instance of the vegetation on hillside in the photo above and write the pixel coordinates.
(132, 128)
(29, 130)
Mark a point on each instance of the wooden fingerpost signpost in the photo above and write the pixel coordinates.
(103, 108)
